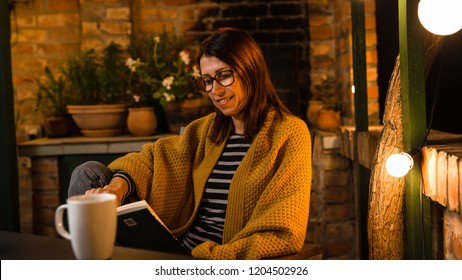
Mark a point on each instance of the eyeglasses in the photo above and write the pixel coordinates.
(224, 78)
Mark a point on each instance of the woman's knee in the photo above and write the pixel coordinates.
(88, 175)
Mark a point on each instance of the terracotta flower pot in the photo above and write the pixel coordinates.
(313, 109)
(99, 120)
(141, 121)
(328, 119)
(58, 126)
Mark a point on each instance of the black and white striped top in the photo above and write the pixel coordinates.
(210, 219)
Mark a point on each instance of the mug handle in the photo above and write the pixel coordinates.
(59, 222)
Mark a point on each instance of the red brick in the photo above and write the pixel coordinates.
(318, 21)
(180, 2)
(57, 49)
(45, 182)
(337, 178)
(373, 91)
(369, 6)
(336, 194)
(322, 33)
(45, 165)
(334, 162)
(44, 216)
(340, 231)
(63, 5)
(338, 248)
(337, 212)
(46, 199)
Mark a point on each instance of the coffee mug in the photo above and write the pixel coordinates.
(92, 221)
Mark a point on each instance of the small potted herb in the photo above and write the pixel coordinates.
(97, 84)
(52, 99)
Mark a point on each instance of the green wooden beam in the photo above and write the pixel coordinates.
(9, 194)
(359, 65)
(361, 119)
(414, 125)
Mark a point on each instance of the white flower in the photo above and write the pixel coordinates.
(196, 72)
(184, 55)
(136, 98)
(169, 97)
(157, 39)
(167, 82)
(132, 64)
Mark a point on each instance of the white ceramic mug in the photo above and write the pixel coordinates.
(92, 223)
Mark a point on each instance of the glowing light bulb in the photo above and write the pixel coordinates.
(398, 165)
(440, 17)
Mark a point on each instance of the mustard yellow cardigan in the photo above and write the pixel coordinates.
(269, 196)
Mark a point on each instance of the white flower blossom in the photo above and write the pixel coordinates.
(132, 64)
(167, 82)
(184, 55)
(136, 98)
(157, 39)
(169, 97)
(196, 72)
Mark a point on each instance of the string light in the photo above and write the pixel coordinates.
(440, 17)
(398, 165)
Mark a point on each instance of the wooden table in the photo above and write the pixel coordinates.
(17, 246)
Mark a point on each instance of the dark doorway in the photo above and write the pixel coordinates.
(444, 86)
(387, 46)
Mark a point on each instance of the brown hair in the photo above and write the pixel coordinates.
(240, 51)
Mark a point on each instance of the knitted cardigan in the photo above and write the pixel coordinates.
(269, 196)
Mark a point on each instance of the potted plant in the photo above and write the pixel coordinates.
(328, 116)
(141, 120)
(170, 70)
(52, 99)
(97, 84)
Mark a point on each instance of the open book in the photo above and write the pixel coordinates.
(138, 226)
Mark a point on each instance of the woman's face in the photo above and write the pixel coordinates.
(227, 99)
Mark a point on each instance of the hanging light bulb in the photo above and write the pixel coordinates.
(398, 165)
(440, 17)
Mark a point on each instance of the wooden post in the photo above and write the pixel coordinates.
(361, 118)
(9, 193)
(414, 121)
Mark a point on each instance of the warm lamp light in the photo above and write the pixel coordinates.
(398, 165)
(440, 17)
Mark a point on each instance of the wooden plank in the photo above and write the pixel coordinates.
(459, 162)
(373, 140)
(453, 183)
(362, 149)
(429, 171)
(441, 178)
(353, 145)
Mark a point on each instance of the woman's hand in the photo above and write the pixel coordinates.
(117, 186)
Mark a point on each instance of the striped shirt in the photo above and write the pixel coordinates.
(210, 220)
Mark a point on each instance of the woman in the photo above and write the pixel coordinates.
(236, 184)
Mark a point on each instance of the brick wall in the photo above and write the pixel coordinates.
(45, 187)
(316, 34)
(43, 34)
(332, 218)
(332, 54)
